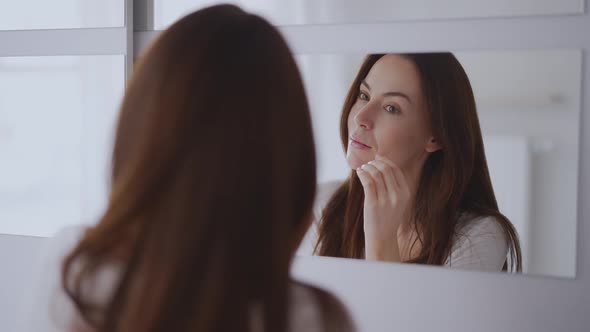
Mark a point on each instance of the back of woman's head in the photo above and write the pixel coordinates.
(213, 180)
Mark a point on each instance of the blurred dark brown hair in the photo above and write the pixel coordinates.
(454, 180)
(213, 179)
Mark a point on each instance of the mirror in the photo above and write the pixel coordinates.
(528, 108)
(353, 11)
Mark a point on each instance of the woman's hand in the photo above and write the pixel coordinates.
(387, 206)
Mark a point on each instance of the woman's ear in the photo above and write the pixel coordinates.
(432, 145)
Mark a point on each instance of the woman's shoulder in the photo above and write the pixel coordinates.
(480, 243)
(314, 309)
(471, 224)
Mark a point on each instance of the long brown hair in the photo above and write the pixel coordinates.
(454, 180)
(213, 179)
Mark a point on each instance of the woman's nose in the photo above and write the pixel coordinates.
(363, 117)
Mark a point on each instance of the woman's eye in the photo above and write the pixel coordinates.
(392, 109)
(363, 96)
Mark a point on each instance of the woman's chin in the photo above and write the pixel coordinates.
(354, 162)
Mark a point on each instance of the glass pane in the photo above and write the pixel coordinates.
(56, 122)
(282, 12)
(61, 14)
(528, 103)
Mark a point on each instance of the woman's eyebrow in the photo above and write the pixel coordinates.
(366, 84)
(398, 94)
(391, 93)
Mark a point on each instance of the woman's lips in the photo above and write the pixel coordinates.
(354, 142)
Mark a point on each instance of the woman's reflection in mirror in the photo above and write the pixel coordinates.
(419, 190)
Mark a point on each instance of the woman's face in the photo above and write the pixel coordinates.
(389, 116)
